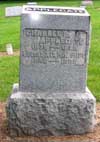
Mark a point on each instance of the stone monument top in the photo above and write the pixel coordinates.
(55, 10)
(54, 49)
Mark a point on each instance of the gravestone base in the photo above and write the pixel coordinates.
(55, 114)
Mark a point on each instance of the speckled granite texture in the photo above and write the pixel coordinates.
(50, 114)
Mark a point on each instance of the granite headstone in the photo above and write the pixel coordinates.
(52, 97)
(54, 50)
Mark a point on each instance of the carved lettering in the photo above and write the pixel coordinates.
(54, 46)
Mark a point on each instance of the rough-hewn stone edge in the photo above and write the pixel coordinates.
(17, 96)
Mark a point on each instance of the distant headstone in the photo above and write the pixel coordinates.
(13, 11)
(32, 3)
(52, 97)
(87, 2)
(82, 6)
(9, 49)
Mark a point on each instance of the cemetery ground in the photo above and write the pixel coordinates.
(9, 65)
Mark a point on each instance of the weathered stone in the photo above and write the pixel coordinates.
(54, 49)
(47, 114)
(52, 98)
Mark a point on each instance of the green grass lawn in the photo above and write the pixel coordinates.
(10, 33)
(9, 73)
(94, 63)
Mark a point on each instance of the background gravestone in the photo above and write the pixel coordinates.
(52, 98)
(87, 2)
(16, 10)
(13, 11)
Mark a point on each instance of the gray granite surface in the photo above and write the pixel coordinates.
(54, 50)
(56, 114)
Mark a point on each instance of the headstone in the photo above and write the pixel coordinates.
(87, 2)
(83, 6)
(9, 49)
(52, 97)
(13, 11)
(16, 10)
(32, 3)
(56, 50)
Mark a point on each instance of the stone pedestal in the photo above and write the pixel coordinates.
(43, 114)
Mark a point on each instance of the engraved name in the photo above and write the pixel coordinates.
(54, 46)
(55, 10)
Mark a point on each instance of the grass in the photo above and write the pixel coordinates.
(9, 67)
(10, 33)
(94, 63)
